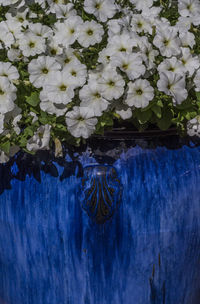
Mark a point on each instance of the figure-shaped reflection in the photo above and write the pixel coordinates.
(101, 192)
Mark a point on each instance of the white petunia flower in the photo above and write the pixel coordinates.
(67, 58)
(59, 89)
(15, 124)
(8, 70)
(34, 115)
(90, 33)
(40, 139)
(197, 81)
(6, 38)
(139, 93)
(7, 95)
(196, 20)
(151, 13)
(1, 123)
(172, 64)
(193, 127)
(188, 8)
(184, 24)
(189, 62)
(13, 27)
(81, 122)
(67, 32)
(77, 73)
(14, 55)
(101, 9)
(40, 69)
(125, 114)
(11, 114)
(122, 43)
(147, 52)
(91, 97)
(173, 85)
(105, 56)
(131, 64)
(187, 39)
(53, 48)
(19, 17)
(140, 24)
(111, 84)
(163, 24)
(11, 2)
(53, 4)
(167, 41)
(3, 157)
(31, 45)
(41, 30)
(115, 27)
(64, 11)
(50, 107)
(142, 4)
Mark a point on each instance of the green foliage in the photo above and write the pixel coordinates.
(5, 146)
(105, 121)
(33, 99)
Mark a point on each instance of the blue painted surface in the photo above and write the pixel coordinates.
(149, 253)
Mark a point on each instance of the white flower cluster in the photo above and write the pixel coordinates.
(131, 47)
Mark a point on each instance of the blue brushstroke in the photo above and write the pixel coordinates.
(51, 252)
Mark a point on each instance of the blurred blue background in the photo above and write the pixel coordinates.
(51, 252)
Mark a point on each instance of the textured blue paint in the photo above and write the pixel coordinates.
(149, 253)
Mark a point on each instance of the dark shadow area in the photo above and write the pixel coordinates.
(105, 149)
(24, 164)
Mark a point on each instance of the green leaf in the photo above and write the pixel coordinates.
(150, 105)
(6, 147)
(29, 131)
(23, 141)
(190, 115)
(33, 99)
(43, 118)
(160, 104)
(165, 122)
(186, 104)
(198, 96)
(143, 117)
(157, 110)
(61, 127)
(106, 120)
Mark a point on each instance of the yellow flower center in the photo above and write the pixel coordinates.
(90, 32)
(45, 71)
(125, 66)
(31, 44)
(73, 73)
(166, 42)
(97, 95)
(53, 52)
(122, 49)
(67, 60)
(139, 92)
(172, 69)
(63, 87)
(97, 5)
(111, 83)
